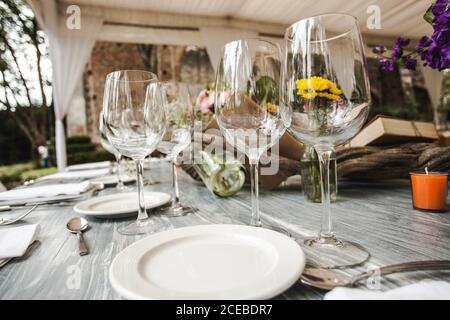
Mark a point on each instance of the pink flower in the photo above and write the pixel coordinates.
(205, 101)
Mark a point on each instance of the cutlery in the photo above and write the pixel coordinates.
(30, 249)
(5, 222)
(78, 225)
(327, 279)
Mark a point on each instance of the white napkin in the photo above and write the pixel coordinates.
(45, 191)
(423, 290)
(89, 166)
(80, 174)
(15, 241)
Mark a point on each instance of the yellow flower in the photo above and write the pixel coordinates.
(271, 107)
(317, 87)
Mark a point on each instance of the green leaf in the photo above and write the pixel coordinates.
(266, 90)
(429, 16)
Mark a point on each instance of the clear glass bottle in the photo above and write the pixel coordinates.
(310, 172)
(222, 174)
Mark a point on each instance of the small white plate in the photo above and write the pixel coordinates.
(208, 262)
(111, 180)
(119, 204)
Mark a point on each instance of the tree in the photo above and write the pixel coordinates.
(23, 81)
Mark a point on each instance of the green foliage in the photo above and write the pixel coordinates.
(429, 16)
(77, 148)
(266, 90)
(37, 173)
(93, 156)
(78, 140)
(12, 174)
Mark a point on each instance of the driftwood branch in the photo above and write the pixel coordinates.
(375, 163)
(369, 163)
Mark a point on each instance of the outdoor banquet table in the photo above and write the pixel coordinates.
(377, 215)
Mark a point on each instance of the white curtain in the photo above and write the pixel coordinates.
(214, 38)
(70, 50)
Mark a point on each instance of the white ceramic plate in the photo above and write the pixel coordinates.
(111, 180)
(119, 204)
(208, 262)
(89, 166)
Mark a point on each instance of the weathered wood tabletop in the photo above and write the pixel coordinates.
(378, 216)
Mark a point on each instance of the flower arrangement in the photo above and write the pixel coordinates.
(317, 87)
(434, 51)
(326, 92)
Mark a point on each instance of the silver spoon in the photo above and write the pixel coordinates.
(78, 225)
(327, 279)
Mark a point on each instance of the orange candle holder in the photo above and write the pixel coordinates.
(429, 191)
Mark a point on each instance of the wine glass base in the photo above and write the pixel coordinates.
(330, 253)
(138, 228)
(274, 228)
(178, 211)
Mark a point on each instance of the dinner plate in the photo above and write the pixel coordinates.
(208, 262)
(119, 204)
(111, 180)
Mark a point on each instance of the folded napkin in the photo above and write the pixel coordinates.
(15, 241)
(423, 290)
(80, 174)
(89, 166)
(52, 190)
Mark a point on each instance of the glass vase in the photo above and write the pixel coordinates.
(310, 172)
(223, 175)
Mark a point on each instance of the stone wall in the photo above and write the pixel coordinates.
(180, 63)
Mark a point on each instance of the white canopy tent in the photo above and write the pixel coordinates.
(208, 23)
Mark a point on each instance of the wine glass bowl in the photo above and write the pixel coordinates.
(108, 147)
(178, 135)
(248, 108)
(325, 82)
(133, 117)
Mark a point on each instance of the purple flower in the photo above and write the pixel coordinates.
(397, 52)
(441, 37)
(379, 49)
(387, 64)
(410, 63)
(423, 42)
(401, 42)
(439, 7)
(442, 21)
(433, 57)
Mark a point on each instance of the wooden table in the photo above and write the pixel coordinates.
(378, 216)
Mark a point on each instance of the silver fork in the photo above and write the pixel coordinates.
(5, 222)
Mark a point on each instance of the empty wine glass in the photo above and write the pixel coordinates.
(134, 116)
(179, 127)
(326, 84)
(248, 108)
(108, 147)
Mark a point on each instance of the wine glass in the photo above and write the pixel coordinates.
(248, 108)
(108, 147)
(134, 116)
(326, 84)
(179, 127)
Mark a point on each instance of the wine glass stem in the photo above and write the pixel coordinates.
(119, 170)
(176, 191)
(324, 163)
(142, 215)
(254, 169)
